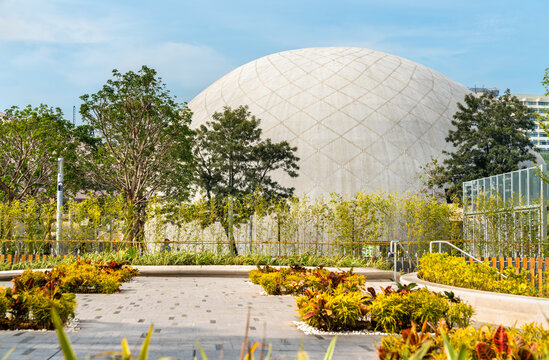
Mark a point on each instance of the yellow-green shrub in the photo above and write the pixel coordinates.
(296, 280)
(22, 307)
(80, 277)
(455, 271)
(393, 311)
(334, 310)
(485, 343)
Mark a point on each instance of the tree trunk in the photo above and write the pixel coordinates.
(135, 222)
(230, 236)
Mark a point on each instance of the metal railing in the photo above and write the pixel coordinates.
(393, 249)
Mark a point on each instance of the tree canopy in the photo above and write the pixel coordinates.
(31, 141)
(489, 137)
(233, 161)
(145, 142)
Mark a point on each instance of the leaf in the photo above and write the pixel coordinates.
(331, 348)
(268, 356)
(126, 349)
(302, 355)
(64, 341)
(525, 354)
(248, 356)
(5, 357)
(501, 340)
(309, 315)
(204, 357)
(449, 349)
(143, 355)
(484, 351)
(420, 354)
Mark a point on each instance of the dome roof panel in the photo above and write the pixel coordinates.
(361, 119)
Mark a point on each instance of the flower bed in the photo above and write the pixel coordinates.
(486, 343)
(29, 303)
(333, 301)
(455, 271)
(83, 277)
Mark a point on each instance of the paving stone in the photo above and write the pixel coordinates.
(129, 314)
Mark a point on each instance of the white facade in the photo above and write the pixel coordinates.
(537, 104)
(361, 119)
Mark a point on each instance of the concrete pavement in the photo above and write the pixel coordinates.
(212, 310)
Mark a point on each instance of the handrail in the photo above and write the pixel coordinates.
(440, 242)
(393, 249)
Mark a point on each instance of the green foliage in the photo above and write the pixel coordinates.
(31, 140)
(489, 138)
(144, 142)
(232, 161)
(299, 227)
(336, 301)
(26, 306)
(296, 280)
(335, 225)
(484, 343)
(455, 271)
(333, 310)
(190, 257)
(79, 277)
(394, 311)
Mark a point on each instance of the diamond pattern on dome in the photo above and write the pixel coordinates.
(300, 122)
(340, 150)
(319, 135)
(361, 119)
(339, 123)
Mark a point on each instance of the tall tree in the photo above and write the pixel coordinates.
(31, 141)
(232, 160)
(489, 137)
(145, 146)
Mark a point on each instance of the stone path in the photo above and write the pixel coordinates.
(185, 309)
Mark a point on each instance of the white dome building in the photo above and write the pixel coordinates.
(361, 119)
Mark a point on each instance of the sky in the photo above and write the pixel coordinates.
(54, 51)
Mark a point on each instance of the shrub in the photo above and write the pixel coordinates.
(79, 277)
(339, 309)
(22, 307)
(394, 311)
(486, 343)
(272, 283)
(296, 280)
(455, 271)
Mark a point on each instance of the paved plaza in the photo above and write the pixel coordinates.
(212, 310)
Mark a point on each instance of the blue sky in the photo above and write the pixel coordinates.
(53, 51)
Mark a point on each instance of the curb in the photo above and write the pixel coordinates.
(494, 308)
(235, 271)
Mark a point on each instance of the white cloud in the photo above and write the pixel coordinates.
(46, 21)
(181, 65)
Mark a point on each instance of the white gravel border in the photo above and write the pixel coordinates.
(310, 330)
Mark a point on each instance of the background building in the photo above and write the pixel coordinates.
(537, 104)
(361, 119)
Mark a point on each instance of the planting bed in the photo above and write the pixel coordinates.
(494, 308)
(339, 301)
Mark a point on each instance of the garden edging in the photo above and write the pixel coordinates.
(218, 271)
(494, 308)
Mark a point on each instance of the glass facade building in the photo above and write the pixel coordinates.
(538, 104)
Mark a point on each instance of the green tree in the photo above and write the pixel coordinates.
(31, 141)
(145, 143)
(489, 137)
(232, 160)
